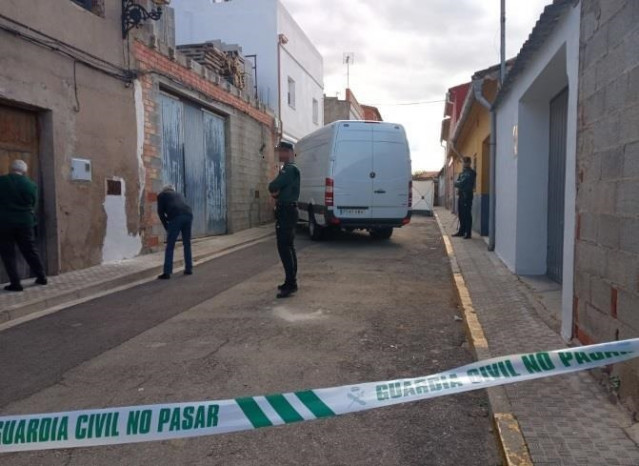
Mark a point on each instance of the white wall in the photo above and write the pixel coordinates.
(522, 162)
(252, 24)
(118, 243)
(255, 26)
(301, 61)
(506, 182)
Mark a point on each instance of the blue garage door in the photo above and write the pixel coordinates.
(194, 161)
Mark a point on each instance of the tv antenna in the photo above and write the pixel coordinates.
(349, 59)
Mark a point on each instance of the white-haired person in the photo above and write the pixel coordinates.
(18, 200)
(177, 217)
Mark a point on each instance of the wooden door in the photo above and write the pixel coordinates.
(19, 140)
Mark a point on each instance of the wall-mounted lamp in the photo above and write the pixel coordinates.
(134, 14)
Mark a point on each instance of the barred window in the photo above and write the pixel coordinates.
(94, 6)
(291, 92)
(315, 111)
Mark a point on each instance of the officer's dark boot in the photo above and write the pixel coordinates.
(287, 290)
(284, 285)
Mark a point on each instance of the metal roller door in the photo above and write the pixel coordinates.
(193, 151)
(556, 185)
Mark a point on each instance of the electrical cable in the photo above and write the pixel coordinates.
(67, 50)
(75, 87)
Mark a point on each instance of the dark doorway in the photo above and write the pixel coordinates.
(556, 185)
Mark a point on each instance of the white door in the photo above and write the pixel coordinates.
(391, 169)
(352, 169)
(423, 196)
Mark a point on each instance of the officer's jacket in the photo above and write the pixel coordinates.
(466, 180)
(287, 183)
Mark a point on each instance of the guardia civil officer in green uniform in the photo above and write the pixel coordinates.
(285, 189)
(465, 185)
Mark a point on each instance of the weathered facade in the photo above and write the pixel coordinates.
(371, 113)
(347, 109)
(90, 112)
(208, 138)
(455, 98)
(606, 292)
(64, 77)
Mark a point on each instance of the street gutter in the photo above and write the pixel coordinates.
(512, 445)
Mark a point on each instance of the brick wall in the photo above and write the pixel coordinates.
(250, 161)
(606, 295)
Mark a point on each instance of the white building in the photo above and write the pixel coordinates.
(536, 114)
(289, 68)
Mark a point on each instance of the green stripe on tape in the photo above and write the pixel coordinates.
(312, 402)
(284, 408)
(253, 412)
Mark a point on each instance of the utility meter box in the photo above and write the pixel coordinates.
(80, 170)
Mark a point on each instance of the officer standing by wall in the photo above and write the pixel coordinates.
(285, 189)
(465, 185)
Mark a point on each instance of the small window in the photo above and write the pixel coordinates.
(315, 111)
(114, 187)
(291, 93)
(88, 4)
(94, 6)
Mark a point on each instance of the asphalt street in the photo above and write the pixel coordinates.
(366, 310)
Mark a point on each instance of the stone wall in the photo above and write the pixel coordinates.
(606, 295)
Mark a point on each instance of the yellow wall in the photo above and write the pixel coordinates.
(475, 137)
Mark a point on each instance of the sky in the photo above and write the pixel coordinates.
(407, 53)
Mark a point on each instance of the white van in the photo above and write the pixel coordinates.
(355, 175)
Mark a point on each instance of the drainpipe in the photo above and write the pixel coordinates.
(493, 130)
(478, 85)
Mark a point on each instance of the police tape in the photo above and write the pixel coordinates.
(180, 420)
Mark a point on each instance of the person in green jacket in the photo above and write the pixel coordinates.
(285, 189)
(18, 198)
(465, 185)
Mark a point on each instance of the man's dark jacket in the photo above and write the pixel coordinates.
(171, 205)
(18, 199)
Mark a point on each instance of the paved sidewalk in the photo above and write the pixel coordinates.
(565, 420)
(69, 288)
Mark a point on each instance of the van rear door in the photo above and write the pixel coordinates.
(391, 166)
(352, 168)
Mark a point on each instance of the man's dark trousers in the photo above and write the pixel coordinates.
(23, 237)
(464, 209)
(286, 220)
(180, 224)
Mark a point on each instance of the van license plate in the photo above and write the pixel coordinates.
(352, 211)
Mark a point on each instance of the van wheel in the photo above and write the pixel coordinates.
(381, 233)
(314, 230)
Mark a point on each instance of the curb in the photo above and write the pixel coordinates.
(75, 296)
(512, 445)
